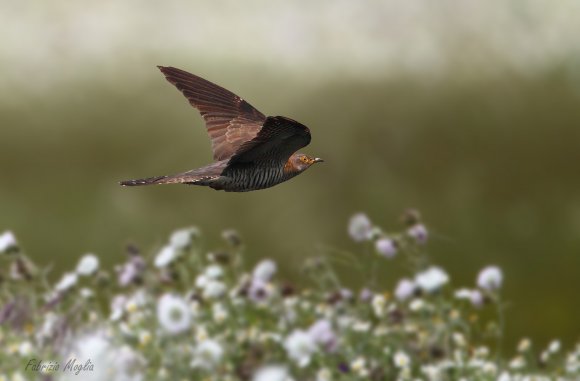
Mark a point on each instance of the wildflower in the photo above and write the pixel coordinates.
(365, 295)
(25, 348)
(358, 366)
(219, 313)
(405, 289)
(554, 346)
(7, 241)
(67, 281)
(324, 374)
(360, 227)
(173, 314)
(321, 333)
(419, 233)
(379, 302)
(401, 360)
(207, 355)
(264, 270)
(524, 345)
(214, 289)
(131, 271)
(517, 363)
(144, 337)
(214, 272)
(232, 237)
(432, 372)
(386, 247)
(88, 265)
(271, 373)
(300, 346)
(431, 279)
(490, 278)
(504, 376)
(165, 257)
(474, 296)
(86, 293)
(181, 239)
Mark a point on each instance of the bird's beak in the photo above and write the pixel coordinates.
(318, 160)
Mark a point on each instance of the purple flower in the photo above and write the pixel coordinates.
(386, 247)
(130, 271)
(405, 289)
(419, 233)
(365, 295)
(490, 278)
(322, 334)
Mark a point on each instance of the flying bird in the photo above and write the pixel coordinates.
(250, 151)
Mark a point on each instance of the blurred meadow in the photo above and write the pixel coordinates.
(468, 111)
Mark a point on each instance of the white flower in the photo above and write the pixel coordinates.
(165, 257)
(517, 363)
(207, 354)
(181, 239)
(505, 376)
(25, 348)
(300, 346)
(524, 345)
(401, 360)
(67, 281)
(214, 289)
(219, 313)
(358, 366)
(271, 373)
(379, 302)
(7, 241)
(360, 227)
(324, 374)
(386, 247)
(490, 278)
(554, 346)
(214, 272)
(173, 314)
(431, 279)
(405, 289)
(432, 372)
(88, 265)
(474, 296)
(265, 270)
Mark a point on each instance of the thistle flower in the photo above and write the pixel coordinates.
(300, 347)
(419, 233)
(431, 279)
(182, 238)
(214, 289)
(474, 296)
(207, 355)
(405, 289)
(322, 334)
(360, 227)
(490, 278)
(130, 271)
(7, 241)
(386, 247)
(173, 314)
(264, 270)
(88, 265)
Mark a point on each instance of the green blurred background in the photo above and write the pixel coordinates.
(468, 111)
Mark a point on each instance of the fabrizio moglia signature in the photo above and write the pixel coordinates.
(73, 365)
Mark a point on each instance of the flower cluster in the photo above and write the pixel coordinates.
(185, 313)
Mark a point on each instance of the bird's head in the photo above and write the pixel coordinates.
(301, 162)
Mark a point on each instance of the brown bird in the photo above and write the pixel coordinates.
(250, 151)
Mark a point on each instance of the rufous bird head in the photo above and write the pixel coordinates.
(300, 162)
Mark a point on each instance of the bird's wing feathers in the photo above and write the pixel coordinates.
(230, 120)
(278, 139)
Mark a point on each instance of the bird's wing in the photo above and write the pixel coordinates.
(278, 139)
(230, 120)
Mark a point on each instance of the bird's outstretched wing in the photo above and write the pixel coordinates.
(230, 120)
(278, 139)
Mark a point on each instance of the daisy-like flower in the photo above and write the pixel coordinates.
(214, 289)
(264, 270)
(359, 366)
(7, 241)
(360, 227)
(405, 289)
(401, 359)
(271, 373)
(386, 247)
(490, 278)
(432, 279)
(165, 257)
(324, 374)
(88, 265)
(173, 314)
(181, 239)
(554, 346)
(300, 347)
(67, 281)
(207, 355)
(379, 303)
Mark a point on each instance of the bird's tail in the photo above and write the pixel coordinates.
(200, 176)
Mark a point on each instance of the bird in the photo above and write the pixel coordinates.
(250, 151)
